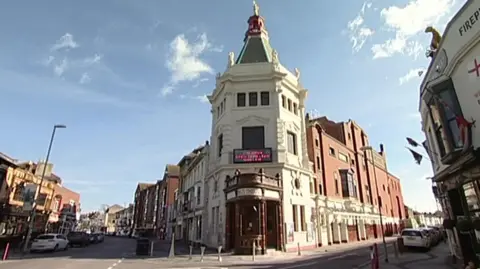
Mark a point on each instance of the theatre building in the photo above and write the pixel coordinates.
(352, 186)
(450, 110)
(263, 192)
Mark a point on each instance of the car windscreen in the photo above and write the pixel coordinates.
(45, 237)
(411, 233)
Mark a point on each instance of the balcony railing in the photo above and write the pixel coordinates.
(253, 178)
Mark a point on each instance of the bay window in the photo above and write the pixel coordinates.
(444, 109)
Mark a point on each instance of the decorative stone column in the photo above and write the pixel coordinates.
(344, 231)
(329, 224)
(263, 225)
(336, 236)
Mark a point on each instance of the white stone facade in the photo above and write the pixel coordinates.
(228, 122)
(191, 197)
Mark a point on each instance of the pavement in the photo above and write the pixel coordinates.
(438, 257)
(337, 256)
(118, 253)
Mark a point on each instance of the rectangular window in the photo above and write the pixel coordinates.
(253, 99)
(241, 99)
(199, 195)
(318, 163)
(284, 101)
(336, 187)
(41, 199)
(320, 189)
(432, 149)
(345, 185)
(253, 137)
(220, 145)
(292, 143)
(295, 218)
(450, 115)
(289, 105)
(199, 228)
(331, 151)
(295, 109)
(265, 98)
(302, 218)
(441, 140)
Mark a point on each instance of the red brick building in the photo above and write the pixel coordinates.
(145, 210)
(345, 170)
(64, 209)
(154, 204)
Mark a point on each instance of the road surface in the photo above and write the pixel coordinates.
(118, 253)
(108, 254)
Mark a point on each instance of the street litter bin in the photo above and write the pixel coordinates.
(143, 247)
(400, 245)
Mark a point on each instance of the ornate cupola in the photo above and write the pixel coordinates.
(257, 47)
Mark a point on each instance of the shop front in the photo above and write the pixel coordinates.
(254, 213)
(459, 194)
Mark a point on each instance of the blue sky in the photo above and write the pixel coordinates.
(129, 78)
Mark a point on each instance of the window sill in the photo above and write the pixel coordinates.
(451, 156)
(250, 108)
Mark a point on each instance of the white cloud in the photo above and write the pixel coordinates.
(412, 74)
(358, 32)
(94, 59)
(65, 42)
(200, 81)
(202, 98)
(85, 79)
(184, 61)
(408, 21)
(60, 68)
(416, 116)
(61, 89)
(48, 61)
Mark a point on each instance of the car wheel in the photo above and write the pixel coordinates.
(66, 247)
(55, 248)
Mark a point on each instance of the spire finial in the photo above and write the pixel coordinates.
(255, 8)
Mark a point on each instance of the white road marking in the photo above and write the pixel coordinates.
(300, 265)
(116, 263)
(340, 256)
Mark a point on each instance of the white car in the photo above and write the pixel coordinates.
(49, 242)
(416, 238)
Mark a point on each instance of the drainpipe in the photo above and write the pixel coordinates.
(317, 221)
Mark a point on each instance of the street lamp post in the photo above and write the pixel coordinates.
(365, 149)
(38, 189)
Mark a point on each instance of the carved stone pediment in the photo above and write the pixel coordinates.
(293, 126)
(253, 119)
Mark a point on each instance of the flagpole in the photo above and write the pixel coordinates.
(423, 156)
